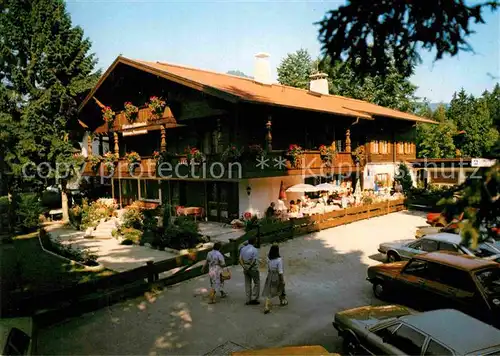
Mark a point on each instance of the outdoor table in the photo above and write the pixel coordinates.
(192, 210)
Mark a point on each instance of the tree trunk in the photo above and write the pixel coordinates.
(64, 202)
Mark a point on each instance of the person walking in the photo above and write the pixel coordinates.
(249, 260)
(215, 262)
(275, 283)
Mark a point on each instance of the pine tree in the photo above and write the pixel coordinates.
(472, 117)
(295, 69)
(45, 70)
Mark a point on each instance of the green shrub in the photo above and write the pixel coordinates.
(75, 216)
(94, 212)
(403, 177)
(133, 218)
(254, 222)
(51, 200)
(182, 234)
(131, 236)
(83, 256)
(28, 210)
(5, 214)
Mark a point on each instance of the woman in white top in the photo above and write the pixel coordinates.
(275, 283)
(215, 262)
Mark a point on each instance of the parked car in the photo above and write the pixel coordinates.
(443, 280)
(406, 249)
(397, 330)
(17, 336)
(451, 228)
(285, 351)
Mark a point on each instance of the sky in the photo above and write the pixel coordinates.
(225, 35)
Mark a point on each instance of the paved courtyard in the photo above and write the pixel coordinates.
(324, 272)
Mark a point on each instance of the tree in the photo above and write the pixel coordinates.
(295, 69)
(238, 73)
(372, 33)
(493, 100)
(45, 71)
(479, 200)
(403, 177)
(473, 120)
(394, 91)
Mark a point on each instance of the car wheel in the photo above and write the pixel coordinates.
(393, 257)
(350, 344)
(379, 289)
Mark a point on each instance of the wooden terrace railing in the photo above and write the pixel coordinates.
(98, 293)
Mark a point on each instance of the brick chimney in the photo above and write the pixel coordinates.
(262, 70)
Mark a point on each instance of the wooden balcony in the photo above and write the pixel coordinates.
(144, 121)
(274, 164)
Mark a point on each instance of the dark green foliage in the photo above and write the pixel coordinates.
(480, 203)
(238, 73)
(5, 224)
(472, 117)
(429, 197)
(51, 199)
(295, 69)
(255, 222)
(403, 177)
(76, 215)
(45, 71)
(28, 210)
(467, 127)
(182, 234)
(131, 236)
(394, 90)
(371, 34)
(83, 256)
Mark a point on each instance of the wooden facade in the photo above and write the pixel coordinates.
(212, 123)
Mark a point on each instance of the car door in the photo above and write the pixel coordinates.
(415, 248)
(437, 293)
(409, 283)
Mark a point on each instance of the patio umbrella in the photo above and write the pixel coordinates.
(326, 187)
(282, 195)
(302, 188)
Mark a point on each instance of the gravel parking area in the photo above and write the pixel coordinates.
(324, 272)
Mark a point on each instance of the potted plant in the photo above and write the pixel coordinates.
(231, 154)
(193, 155)
(131, 111)
(108, 115)
(109, 161)
(255, 151)
(359, 155)
(327, 154)
(156, 105)
(133, 158)
(294, 155)
(94, 162)
(156, 155)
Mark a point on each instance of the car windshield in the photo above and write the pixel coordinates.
(490, 281)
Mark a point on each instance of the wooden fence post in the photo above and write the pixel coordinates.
(233, 252)
(152, 276)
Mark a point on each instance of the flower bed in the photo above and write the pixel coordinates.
(80, 255)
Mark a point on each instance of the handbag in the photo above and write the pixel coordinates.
(225, 275)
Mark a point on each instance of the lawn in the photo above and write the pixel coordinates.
(26, 267)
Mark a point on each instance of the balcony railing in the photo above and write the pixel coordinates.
(213, 167)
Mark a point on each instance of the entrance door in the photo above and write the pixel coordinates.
(222, 201)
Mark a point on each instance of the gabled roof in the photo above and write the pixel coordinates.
(236, 88)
